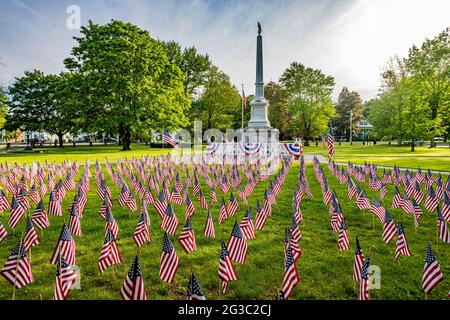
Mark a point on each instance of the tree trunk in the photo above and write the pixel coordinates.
(73, 143)
(412, 146)
(306, 141)
(60, 139)
(126, 139)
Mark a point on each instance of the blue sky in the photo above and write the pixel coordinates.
(348, 39)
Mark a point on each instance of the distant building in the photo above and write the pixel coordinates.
(365, 127)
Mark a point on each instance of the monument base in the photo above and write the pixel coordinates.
(258, 119)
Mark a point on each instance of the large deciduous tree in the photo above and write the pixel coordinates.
(133, 86)
(39, 102)
(194, 65)
(3, 108)
(309, 93)
(430, 64)
(348, 101)
(219, 103)
(278, 107)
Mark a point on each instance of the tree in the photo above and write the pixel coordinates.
(195, 66)
(3, 108)
(278, 107)
(133, 85)
(309, 94)
(219, 103)
(348, 101)
(430, 64)
(39, 102)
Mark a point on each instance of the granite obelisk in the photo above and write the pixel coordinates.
(259, 105)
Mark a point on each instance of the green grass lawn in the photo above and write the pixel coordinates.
(324, 273)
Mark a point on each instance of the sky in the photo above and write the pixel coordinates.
(350, 40)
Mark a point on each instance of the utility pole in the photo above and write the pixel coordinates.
(351, 130)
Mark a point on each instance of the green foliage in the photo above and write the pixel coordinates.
(415, 101)
(39, 102)
(348, 101)
(310, 106)
(195, 66)
(3, 108)
(133, 86)
(219, 103)
(278, 107)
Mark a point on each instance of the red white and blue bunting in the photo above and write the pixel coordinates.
(212, 147)
(294, 148)
(250, 148)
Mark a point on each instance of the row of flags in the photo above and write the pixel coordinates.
(139, 174)
(432, 274)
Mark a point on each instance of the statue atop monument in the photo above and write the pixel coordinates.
(259, 29)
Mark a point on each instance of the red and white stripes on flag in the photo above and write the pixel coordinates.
(64, 279)
(226, 269)
(110, 253)
(169, 261)
(133, 286)
(17, 268)
(237, 245)
(431, 275)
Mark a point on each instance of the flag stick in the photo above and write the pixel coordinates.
(437, 239)
(17, 265)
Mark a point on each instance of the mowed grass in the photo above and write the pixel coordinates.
(81, 154)
(324, 273)
(389, 155)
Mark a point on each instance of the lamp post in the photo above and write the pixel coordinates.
(351, 127)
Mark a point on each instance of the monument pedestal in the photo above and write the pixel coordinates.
(259, 119)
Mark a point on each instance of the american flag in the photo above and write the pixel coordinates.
(431, 275)
(64, 279)
(232, 205)
(187, 237)
(444, 234)
(402, 244)
(383, 191)
(330, 140)
(351, 189)
(389, 228)
(170, 221)
(358, 262)
(203, 202)
(406, 204)
(161, 204)
(431, 201)
(133, 286)
(4, 204)
(446, 206)
(241, 195)
(396, 199)
(65, 246)
(223, 212)
(247, 225)
(33, 194)
(260, 216)
(74, 222)
(378, 210)
(169, 261)
(237, 245)
(213, 195)
(362, 202)
(17, 268)
(17, 212)
(39, 216)
(194, 292)
(364, 282)
(110, 253)
(31, 238)
(226, 269)
(3, 232)
(190, 209)
(343, 243)
(110, 222)
(209, 226)
(290, 279)
(131, 202)
(142, 232)
(167, 138)
(417, 212)
(54, 206)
